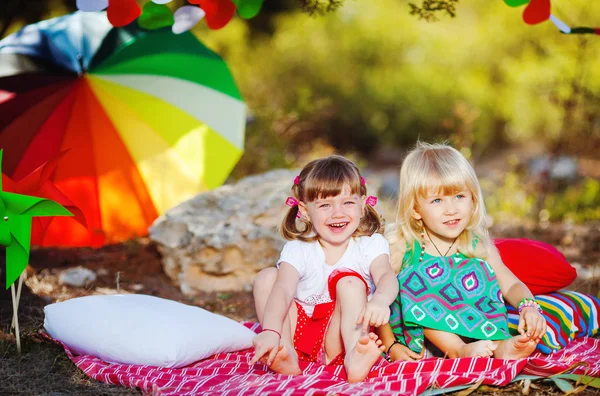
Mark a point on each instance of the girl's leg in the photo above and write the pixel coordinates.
(454, 347)
(362, 351)
(286, 361)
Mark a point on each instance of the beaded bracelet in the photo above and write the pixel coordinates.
(274, 331)
(529, 302)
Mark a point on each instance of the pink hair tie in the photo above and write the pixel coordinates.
(362, 182)
(371, 200)
(291, 202)
(297, 180)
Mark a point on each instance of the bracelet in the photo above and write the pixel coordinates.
(274, 331)
(387, 354)
(529, 302)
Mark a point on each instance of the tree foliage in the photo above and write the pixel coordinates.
(371, 75)
(429, 9)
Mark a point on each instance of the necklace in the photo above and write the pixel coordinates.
(436, 248)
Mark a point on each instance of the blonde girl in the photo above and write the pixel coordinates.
(451, 278)
(333, 279)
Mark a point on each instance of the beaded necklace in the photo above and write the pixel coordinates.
(433, 243)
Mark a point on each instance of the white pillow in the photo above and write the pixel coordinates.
(144, 330)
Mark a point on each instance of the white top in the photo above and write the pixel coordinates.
(309, 260)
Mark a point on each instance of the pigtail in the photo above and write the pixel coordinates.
(371, 223)
(289, 226)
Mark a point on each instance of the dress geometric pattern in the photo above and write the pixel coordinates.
(456, 294)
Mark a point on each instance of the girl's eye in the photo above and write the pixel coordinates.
(437, 200)
(324, 206)
(349, 203)
(460, 196)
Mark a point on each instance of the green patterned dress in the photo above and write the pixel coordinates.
(456, 294)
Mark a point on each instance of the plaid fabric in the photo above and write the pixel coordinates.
(230, 374)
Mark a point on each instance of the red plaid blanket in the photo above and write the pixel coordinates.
(230, 374)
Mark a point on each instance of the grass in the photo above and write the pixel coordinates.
(43, 368)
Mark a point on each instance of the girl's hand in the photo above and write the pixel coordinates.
(531, 319)
(401, 352)
(266, 342)
(375, 313)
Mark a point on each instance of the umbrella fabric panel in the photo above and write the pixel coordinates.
(19, 132)
(76, 176)
(69, 41)
(180, 156)
(46, 142)
(207, 72)
(21, 83)
(158, 41)
(115, 39)
(160, 55)
(20, 102)
(125, 205)
(15, 64)
(222, 113)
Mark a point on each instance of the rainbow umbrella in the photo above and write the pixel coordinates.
(149, 119)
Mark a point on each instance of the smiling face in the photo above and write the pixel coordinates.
(335, 219)
(445, 214)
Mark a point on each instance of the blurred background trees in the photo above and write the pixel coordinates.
(369, 78)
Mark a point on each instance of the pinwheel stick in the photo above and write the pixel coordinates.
(15, 301)
(21, 279)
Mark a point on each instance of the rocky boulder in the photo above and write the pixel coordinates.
(220, 239)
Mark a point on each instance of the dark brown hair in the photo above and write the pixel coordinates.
(325, 178)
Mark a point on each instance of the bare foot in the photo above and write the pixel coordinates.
(483, 348)
(516, 347)
(358, 361)
(285, 362)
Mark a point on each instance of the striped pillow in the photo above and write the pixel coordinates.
(587, 309)
(568, 314)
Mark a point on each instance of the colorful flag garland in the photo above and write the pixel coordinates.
(538, 11)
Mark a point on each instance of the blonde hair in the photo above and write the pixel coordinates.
(443, 169)
(324, 178)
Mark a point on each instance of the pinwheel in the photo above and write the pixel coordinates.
(538, 11)
(151, 119)
(16, 213)
(38, 184)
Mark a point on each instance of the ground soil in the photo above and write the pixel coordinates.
(135, 267)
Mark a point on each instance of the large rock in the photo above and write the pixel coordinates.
(220, 239)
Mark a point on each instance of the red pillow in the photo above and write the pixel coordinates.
(542, 267)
